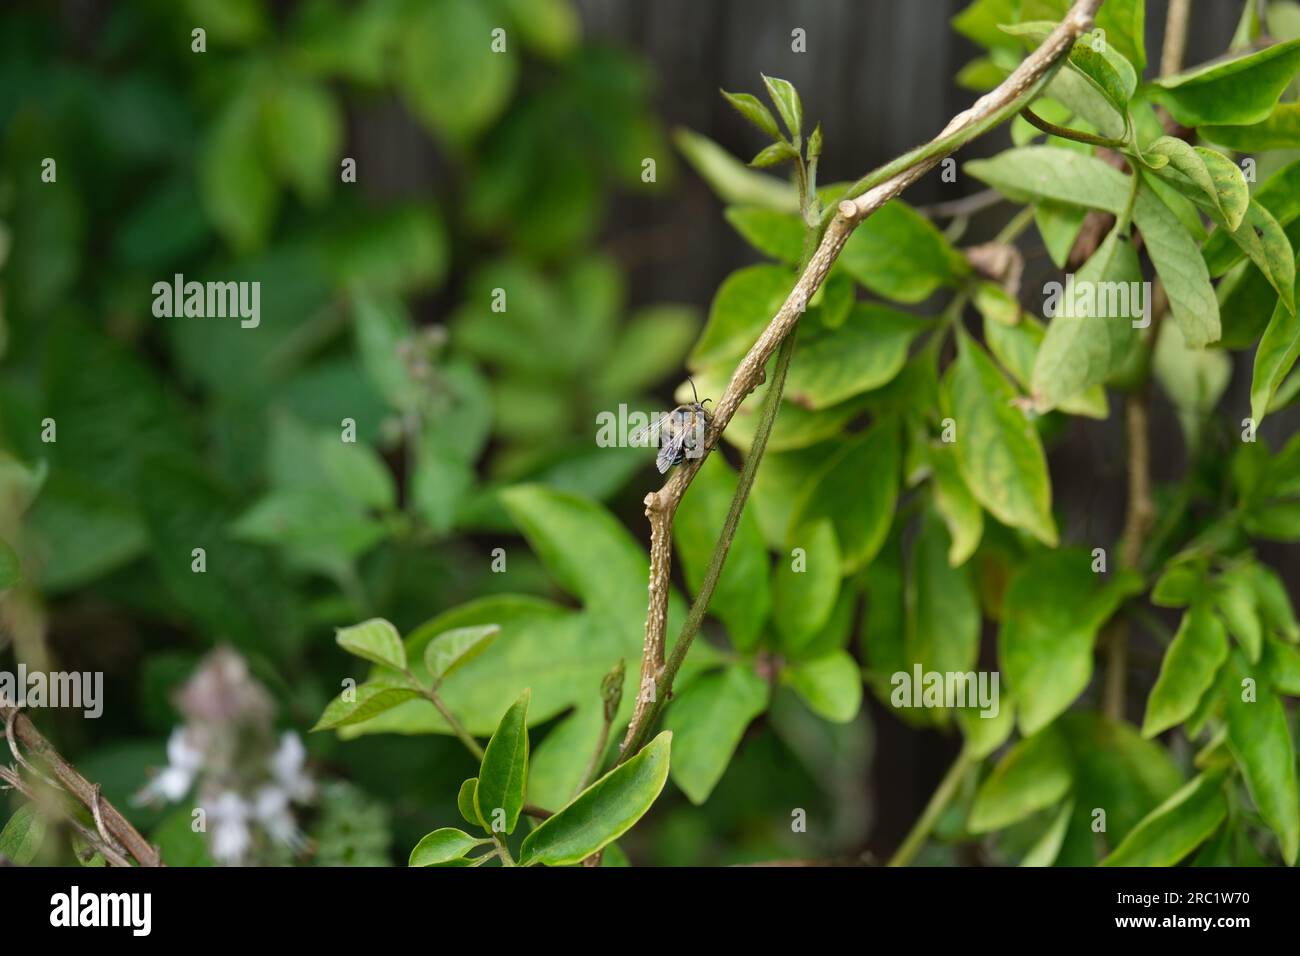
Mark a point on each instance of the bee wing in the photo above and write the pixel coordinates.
(671, 450)
(646, 434)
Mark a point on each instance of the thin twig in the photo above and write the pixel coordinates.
(861, 201)
(943, 795)
(113, 823)
(457, 727)
(1171, 54)
(593, 764)
(1141, 511)
(960, 208)
(56, 810)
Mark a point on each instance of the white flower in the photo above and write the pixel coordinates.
(174, 781)
(271, 807)
(230, 834)
(286, 768)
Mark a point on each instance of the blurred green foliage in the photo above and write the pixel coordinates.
(478, 166)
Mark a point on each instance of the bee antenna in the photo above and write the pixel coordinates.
(693, 391)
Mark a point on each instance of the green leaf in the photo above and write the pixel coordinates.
(442, 846)
(304, 133)
(1051, 611)
(1116, 768)
(588, 551)
(733, 181)
(651, 347)
(1194, 379)
(996, 304)
(560, 654)
(985, 734)
(503, 777)
(380, 325)
(864, 353)
(22, 836)
(551, 27)
(1234, 599)
(980, 21)
(1273, 602)
(358, 472)
(1178, 586)
(1261, 742)
(465, 802)
(1281, 130)
(11, 569)
(786, 99)
(855, 492)
(774, 155)
(1048, 846)
(943, 623)
(899, 254)
(807, 584)
(830, 685)
(322, 530)
(1106, 69)
(999, 453)
(1281, 662)
(707, 720)
(1217, 177)
(557, 766)
(778, 235)
(741, 309)
(364, 701)
(1188, 670)
(447, 71)
(1059, 225)
(754, 111)
(1279, 197)
(235, 185)
(394, 250)
(1034, 775)
(373, 640)
(1180, 267)
(1264, 240)
(1036, 173)
(603, 812)
(1086, 343)
(1016, 347)
(743, 598)
(1238, 92)
(955, 503)
(1175, 828)
(453, 649)
(1276, 355)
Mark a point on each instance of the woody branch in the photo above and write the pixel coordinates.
(862, 200)
(112, 829)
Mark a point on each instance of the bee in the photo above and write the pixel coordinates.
(681, 433)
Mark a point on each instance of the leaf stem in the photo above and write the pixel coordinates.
(766, 420)
(943, 794)
(1141, 513)
(1064, 132)
(457, 727)
(593, 765)
(503, 851)
(695, 617)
